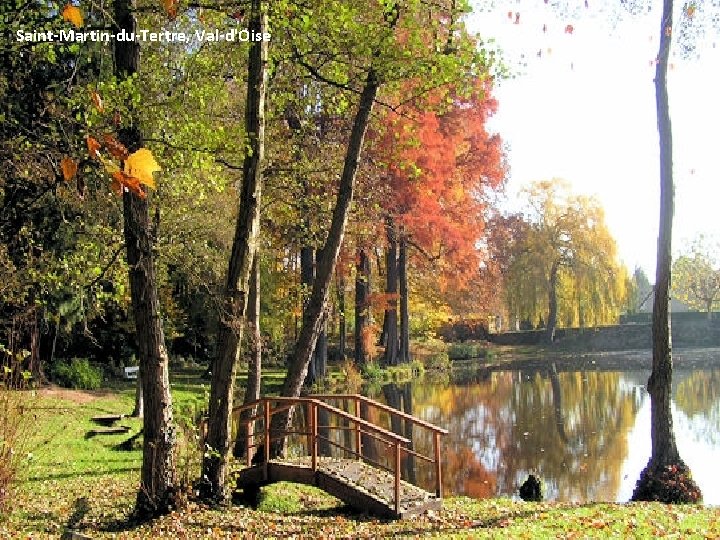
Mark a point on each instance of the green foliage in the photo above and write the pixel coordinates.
(696, 275)
(470, 350)
(371, 371)
(464, 351)
(76, 373)
(438, 362)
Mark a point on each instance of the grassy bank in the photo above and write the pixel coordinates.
(85, 484)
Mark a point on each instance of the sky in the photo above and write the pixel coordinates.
(584, 110)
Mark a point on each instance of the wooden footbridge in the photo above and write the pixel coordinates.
(340, 450)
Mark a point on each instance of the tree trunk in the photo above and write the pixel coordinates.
(139, 409)
(232, 319)
(307, 277)
(664, 449)
(362, 306)
(404, 300)
(391, 289)
(552, 304)
(664, 455)
(158, 480)
(254, 350)
(326, 266)
(321, 351)
(342, 330)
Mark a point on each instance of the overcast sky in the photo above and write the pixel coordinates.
(584, 110)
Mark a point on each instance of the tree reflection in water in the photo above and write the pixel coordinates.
(569, 427)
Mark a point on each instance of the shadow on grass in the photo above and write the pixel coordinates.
(83, 474)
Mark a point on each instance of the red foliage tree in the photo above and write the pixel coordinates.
(439, 162)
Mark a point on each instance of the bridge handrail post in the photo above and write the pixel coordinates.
(438, 466)
(358, 438)
(266, 410)
(308, 425)
(248, 442)
(314, 434)
(397, 478)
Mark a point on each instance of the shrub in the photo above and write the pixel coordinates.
(353, 379)
(16, 424)
(372, 371)
(464, 351)
(78, 373)
(440, 361)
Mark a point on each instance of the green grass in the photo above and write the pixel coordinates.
(87, 485)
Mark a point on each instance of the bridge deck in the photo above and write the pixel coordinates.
(353, 481)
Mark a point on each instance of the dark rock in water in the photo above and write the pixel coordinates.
(531, 490)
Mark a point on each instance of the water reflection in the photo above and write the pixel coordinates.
(586, 433)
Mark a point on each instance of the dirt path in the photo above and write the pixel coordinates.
(80, 397)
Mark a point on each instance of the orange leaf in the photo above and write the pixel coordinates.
(115, 147)
(130, 182)
(69, 168)
(690, 10)
(97, 100)
(170, 7)
(93, 147)
(116, 186)
(73, 15)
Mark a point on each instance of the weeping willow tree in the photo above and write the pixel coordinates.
(564, 270)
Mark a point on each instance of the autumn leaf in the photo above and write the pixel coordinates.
(69, 168)
(170, 7)
(690, 10)
(97, 101)
(142, 165)
(73, 15)
(115, 147)
(93, 147)
(116, 186)
(121, 179)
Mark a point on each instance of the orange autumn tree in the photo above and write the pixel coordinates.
(439, 162)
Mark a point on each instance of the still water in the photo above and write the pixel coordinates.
(585, 433)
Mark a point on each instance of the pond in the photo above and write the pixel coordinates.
(585, 433)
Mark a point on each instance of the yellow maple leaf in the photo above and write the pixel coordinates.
(73, 15)
(142, 165)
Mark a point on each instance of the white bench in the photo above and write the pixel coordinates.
(131, 372)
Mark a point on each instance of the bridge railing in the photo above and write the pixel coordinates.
(395, 445)
(435, 431)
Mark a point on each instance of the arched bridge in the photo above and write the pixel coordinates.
(343, 450)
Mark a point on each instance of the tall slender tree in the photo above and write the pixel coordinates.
(158, 484)
(666, 477)
(233, 315)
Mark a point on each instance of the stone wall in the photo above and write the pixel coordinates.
(686, 332)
